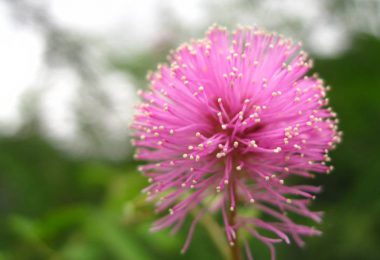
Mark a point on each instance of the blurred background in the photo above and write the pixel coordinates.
(69, 72)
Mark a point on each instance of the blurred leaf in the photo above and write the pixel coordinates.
(25, 228)
(121, 243)
(62, 219)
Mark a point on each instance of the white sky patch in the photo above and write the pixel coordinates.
(57, 103)
(130, 23)
(328, 39)
(89, 16)
(21, 52)
(192, 14)
(306, 10)
(123, 95)
(58, 112)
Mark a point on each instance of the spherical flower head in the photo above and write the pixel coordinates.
(225, 125)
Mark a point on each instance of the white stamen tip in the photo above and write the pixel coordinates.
(253, 143)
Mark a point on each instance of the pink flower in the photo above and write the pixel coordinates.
(226, 124)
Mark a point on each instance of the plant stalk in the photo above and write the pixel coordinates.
(235, 251)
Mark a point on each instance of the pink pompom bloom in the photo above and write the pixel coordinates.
(226, 124)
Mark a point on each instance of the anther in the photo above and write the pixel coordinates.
(253, 143)
(220, 155)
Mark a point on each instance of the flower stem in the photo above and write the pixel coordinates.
(234, 248)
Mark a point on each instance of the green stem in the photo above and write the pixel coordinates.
(235, 251)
